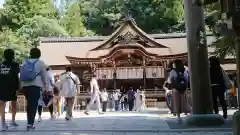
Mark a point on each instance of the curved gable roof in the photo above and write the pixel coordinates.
(127, 32)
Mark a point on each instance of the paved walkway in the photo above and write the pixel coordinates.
(150, 122)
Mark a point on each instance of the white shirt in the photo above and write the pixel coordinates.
(50, 81)
(58, 84)
(104, 96)
(68, 84)
(94, 88)
(115, 96)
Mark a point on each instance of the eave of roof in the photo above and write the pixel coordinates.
(102, 38)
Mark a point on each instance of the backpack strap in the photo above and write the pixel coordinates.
(72, 79)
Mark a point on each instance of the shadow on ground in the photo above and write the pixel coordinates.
(147, 121)
(172, 123)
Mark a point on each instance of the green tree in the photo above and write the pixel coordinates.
(9, 39)
(224, 44)
(39, 26)
(153, 16)
(73, 19)
(17, 12)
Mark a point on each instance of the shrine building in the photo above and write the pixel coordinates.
(129, 57)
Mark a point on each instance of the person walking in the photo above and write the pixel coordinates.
(218, 85)
(178, 79)
(104, 97)
(69, 84)
(116, 96)
(9, 82)
(46, 97)
(57, 97)
(33, 80)
(138, 101)
(131, 98)
(95, 95)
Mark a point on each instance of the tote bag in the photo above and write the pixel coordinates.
(227, 81)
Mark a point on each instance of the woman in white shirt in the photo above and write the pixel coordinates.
(104, 98)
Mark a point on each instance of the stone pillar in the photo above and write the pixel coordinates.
(202, 109)
(236, 26)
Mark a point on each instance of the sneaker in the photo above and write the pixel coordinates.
(101, 112)
(13, 123)
(225, 116)
(67, 118)
(30, 127)
(86, 112)
(53, 116)
(4, 127)
(39, 119)
(179, 120)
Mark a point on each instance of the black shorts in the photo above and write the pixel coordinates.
(8, 96)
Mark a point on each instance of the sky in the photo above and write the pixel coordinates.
(1, 3)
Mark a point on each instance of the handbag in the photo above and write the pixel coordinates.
(228, 83)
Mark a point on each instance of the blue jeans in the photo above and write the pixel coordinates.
(32, 94)
(169, 101)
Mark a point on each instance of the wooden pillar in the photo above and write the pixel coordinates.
(165, 66)
(114, 76)
(144, 73)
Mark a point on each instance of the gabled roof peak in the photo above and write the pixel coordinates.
(129, 33)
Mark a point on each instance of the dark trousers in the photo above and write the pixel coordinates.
(40, 109)
(104, 106)
(218, 93)
(116, 105)
(32, 94)
(122, 106)
(130, 104)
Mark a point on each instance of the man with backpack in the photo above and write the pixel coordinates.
(33, 80)
(9, 82)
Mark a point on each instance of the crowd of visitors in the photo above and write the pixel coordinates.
(120, 99)
(177, 86)
(42, 89)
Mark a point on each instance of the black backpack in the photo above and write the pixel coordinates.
(180, 83)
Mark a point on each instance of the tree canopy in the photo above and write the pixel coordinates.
(24, 21)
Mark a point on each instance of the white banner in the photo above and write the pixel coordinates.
(154, 72)
(104, 73)
(130, 72)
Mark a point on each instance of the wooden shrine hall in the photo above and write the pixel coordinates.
(129, 57)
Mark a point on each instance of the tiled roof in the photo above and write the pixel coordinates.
(102, 38)
(55, 49)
